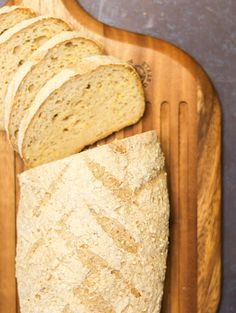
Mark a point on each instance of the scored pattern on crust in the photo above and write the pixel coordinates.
(51, 190)
(123, 237)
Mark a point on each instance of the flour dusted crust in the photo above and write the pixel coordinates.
(18, 42)
(53, 53)
(132, 111)
(92, 231)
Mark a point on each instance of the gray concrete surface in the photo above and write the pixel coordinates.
(206, 29)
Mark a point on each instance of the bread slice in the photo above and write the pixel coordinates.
(64, 50)
(18, 42)
(74, 110)
(92, 231)
(11, 15)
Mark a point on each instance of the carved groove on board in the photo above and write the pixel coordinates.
(182, 194)
(165, 130)
(187, 217)
(183, 203)
(165, 144)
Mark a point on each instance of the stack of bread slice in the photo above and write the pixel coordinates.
(64, 50)
(58, 91)
(92, 226)
(20, 41)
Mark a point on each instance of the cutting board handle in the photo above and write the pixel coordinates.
(83, 18)
(111, 37)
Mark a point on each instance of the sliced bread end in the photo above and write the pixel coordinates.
(87, 107)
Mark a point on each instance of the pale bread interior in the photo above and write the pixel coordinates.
(11, 16)
(83, 110)
(65, 54)
(15, 50)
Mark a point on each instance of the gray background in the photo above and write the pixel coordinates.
(206, 29)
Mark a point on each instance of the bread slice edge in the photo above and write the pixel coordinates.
(25, 69)
(24, 24)
(8, 9)
(56, 82)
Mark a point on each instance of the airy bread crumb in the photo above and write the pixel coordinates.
(65, 50)
(12, 15)
(19, 42)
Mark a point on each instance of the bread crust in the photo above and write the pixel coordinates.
(55, 83)
(93, 230)
(24, 24)
(8, 9)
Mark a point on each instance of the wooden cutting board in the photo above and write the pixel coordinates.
(183, 107)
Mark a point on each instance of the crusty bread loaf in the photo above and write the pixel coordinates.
(92, 231)
(64, 50)
(11, 15)
(75, 110)
(18, 42)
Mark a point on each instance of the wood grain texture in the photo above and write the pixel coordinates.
(183, 107)
(7, 227)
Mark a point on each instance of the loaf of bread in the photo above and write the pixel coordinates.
(74, 110)
(92, 231)
(64, 50)
(11, 15)
(19, 42)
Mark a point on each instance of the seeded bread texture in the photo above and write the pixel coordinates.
(19, 42)
(11, 15)
(64, 50)
(75, 110)
(92, 231)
